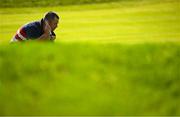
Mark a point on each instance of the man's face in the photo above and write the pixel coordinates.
(54, 23)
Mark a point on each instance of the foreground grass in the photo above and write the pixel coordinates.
(90, 79)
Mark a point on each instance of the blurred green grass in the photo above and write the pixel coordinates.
(42, 3)
(33, 3)
(90, 79)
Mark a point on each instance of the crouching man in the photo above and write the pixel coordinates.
(42, 30)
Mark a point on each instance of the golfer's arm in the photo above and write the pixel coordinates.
(43, 37)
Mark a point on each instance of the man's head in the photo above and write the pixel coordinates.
(53, 19)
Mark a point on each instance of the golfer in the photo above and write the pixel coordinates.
(38, 30)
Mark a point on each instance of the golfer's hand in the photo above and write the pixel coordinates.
(47, 28)
(52, 37)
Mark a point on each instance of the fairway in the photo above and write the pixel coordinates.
(117, 58)
(131, 22)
